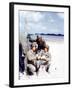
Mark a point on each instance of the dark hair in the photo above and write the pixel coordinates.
(32, 46)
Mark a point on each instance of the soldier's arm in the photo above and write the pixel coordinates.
(31, 57)
(48, 58)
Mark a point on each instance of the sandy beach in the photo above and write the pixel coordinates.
(57, 67)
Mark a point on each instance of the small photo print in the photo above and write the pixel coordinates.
(41, 52)
(41, 44)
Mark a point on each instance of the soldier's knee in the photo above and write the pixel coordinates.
(31, 67)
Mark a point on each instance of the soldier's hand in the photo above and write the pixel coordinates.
(43, 57)
(39, 57)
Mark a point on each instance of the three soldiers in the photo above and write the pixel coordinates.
(37, 55)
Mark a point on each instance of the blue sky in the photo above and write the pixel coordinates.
(41, 22)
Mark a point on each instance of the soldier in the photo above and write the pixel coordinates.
(21, 59)
(41, 43)
(44, 58)
(31, 59)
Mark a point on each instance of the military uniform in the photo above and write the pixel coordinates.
(31, 61)
(45, 59)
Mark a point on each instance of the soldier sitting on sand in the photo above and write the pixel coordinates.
(31, 59)
(44, 58)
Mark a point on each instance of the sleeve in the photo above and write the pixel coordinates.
(30, 56)
(48, 57)
(41, 53)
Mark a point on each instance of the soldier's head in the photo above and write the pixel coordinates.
(34, 46)
(46, 48)
(37, 37)
(40, 38)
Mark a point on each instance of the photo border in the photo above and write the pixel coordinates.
(11, 42)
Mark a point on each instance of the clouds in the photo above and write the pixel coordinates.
(42, 22)
(31, 16)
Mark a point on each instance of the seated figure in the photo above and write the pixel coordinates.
(44, 58)
(31, 59)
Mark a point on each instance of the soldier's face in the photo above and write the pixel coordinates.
(34, 48)
(46, 49)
